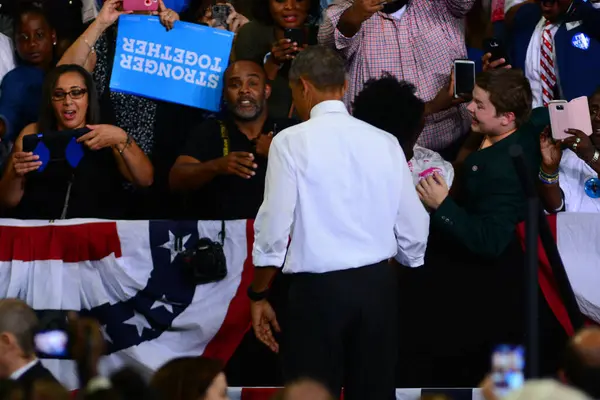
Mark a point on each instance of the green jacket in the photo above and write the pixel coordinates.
(492, 201)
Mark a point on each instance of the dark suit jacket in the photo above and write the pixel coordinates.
(491, 201)
(577, 66)
(35, 373)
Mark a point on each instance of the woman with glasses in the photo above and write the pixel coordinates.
(569, 171)
(81, 176)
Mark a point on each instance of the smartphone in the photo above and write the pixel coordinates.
(508, 362)
(464, 78)
(52, 343)
(295, 35)
(220, 13)
(496, 49)
(574, 114)
(140, 5)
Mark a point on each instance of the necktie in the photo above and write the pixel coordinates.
(548, 73)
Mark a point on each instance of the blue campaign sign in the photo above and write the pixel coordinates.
(184, 65)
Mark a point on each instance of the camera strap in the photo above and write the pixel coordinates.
(225, 137)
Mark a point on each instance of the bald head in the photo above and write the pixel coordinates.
(305, 390)
(20, 321)
(581, 366)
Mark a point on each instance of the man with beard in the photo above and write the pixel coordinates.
(224, 162)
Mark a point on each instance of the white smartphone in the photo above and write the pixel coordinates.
(464, 78)
(574, 114)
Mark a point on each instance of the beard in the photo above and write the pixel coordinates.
(249, 112)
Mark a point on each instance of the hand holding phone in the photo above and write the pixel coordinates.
(219, 15)
(296, 35)
(498, 52)
(569, 115)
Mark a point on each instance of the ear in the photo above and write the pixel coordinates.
(305, 85)
(508, 118)
(267, 91)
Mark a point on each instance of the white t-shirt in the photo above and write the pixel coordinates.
(573, 174)
(425, 162)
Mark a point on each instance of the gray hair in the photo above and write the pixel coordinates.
(18, 318)
(321, 66)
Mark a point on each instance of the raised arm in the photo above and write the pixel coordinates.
(82, 51)
(342, 23)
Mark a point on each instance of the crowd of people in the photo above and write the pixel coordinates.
(374, 81)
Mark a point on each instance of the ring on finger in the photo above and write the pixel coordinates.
(575, 146)
(578, 140)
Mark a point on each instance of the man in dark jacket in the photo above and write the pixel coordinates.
(18, 361)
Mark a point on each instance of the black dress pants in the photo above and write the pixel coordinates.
(341, 330)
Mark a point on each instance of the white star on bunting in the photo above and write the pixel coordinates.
(163, 302)
(170, 244)
(139, 321)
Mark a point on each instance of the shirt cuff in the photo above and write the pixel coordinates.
(409, 262)
(445, 214)
(267, 260)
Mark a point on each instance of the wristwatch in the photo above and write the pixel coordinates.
(257, 296)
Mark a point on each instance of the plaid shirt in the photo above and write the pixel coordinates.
(420, 47)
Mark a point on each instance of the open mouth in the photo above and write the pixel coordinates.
(246, 103)
(69, 115)
(290, 19)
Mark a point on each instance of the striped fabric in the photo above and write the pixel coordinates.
(548, 73)
(420, 47)
(401, 394)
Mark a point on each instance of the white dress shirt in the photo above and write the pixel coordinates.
(532, 62)
(342, 190)
(574, 173)
(7, 60)
(21, 371)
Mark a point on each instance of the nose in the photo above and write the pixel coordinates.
(67, 100)
(471, 107)
(289, 4)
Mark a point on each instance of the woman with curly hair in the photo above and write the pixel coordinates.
(263, 40)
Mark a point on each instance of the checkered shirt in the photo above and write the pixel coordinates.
(420, 47)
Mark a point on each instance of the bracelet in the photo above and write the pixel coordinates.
(256, 296)
(547, 179)
(127, 143)
(92, 48)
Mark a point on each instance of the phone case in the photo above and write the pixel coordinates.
(574, 114)
(461, 87)
(140, 5)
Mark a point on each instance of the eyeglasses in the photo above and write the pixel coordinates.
(75, 94)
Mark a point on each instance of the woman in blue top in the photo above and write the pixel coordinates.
(21, 89)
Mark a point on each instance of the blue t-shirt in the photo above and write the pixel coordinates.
(475, 55)
(20, 99)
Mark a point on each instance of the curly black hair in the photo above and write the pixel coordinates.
(261, 12)
(391, 105)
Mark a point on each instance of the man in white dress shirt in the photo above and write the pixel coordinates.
(342, 190)
(7, 60)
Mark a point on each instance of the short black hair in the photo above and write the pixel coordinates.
(392, 106)
(579, 373)
(48, 121)
(262, 14)
(260, 67)
(28, 7)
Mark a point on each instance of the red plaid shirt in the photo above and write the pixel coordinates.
(420, 48)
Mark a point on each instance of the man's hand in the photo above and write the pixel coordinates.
(551, 152)
(362, 10)
(487, 65)
(263, 318)
(580, 143)
(237, 163)
(263, 142)
(433, 190)
(444, 99)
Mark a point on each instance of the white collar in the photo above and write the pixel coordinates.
(21, 371)
(328, 106)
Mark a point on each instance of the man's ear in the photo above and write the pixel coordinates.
(267, 91)
(508, 118)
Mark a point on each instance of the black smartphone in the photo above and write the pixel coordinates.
(496, 48)
(53, 338)
(295, 35)
(220, 13)
(464, 78)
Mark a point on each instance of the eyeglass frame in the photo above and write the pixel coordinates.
(69, 93)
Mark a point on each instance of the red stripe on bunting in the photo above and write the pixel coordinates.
(237, 320)
(70, 243)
